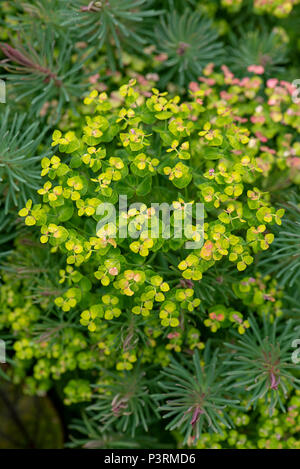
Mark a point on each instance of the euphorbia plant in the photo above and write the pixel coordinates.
(138, 299)
(123, 314)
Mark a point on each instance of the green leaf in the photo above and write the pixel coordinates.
(145, 186)
(85, 284)
(182, 182)
(65, 212)
(210, 153)
(110, 133)
(163, 115)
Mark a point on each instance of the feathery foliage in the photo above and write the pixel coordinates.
(189, 42)
(194, 396)
(265, 49)
(261, 362)
(114, 23)
(284, 258)
(19, 159)
(123, 400)
(44, 73)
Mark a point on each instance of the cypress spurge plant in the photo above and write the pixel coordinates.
(194, 396)
(129, 150)
(261, 364)
(42, 14)
(9, 228)
(113, 23)
(19, 158)
(284, 259)
(176, 156)
(264, 49)
(123, 401)
(256, 429)
(102, 318)
(278, 8)
(42, 72)
(140, 297)
(273, 122)
(188, 42)
(89, 435)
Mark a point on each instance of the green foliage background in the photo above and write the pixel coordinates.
(163, 377)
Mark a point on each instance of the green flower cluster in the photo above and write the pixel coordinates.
(273, 121)
(261, 295)
(278, 8)
(131, 150)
